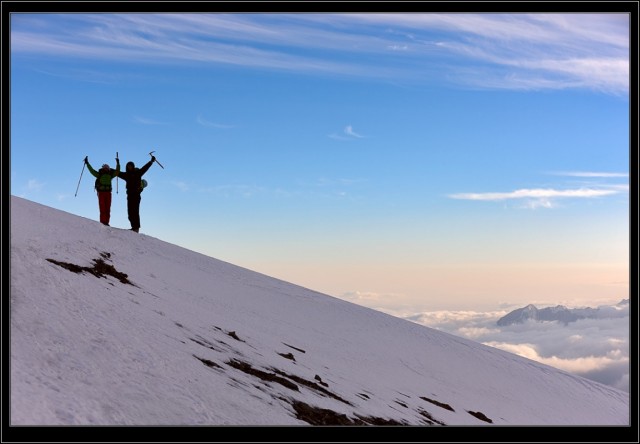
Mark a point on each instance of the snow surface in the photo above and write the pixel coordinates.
(186, 339)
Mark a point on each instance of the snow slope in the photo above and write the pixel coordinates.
(111, 327)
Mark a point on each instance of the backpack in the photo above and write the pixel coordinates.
(97, 183)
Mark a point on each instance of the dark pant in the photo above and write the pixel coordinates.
(133, 208)
(104, 202)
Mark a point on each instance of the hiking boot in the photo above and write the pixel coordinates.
(135, 229)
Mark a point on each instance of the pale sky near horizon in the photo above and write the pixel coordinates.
(406, 162)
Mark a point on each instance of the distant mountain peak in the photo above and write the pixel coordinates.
(558, 313)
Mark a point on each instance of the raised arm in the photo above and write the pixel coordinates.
(146, 166)
(91, 170)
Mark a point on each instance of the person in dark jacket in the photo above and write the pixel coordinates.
(103, 187)
(133, 177)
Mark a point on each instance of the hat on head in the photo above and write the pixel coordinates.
(106, 166)
(130, 164)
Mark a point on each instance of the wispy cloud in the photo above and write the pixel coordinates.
(350, 132)
(367, 296)
(347, 134)
(590, 174)
(181, 185)
(90, 76)
(539, 193)
(513, 51)
(325, 181)
(244, 191)
(525, 51)
(594, 185)
(147, 121)
(31, 186)
(202, 121)
(34, 185)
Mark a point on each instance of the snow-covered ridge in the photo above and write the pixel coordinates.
(111, 327)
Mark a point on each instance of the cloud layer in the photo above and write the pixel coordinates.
(597, 349)
(505, 51)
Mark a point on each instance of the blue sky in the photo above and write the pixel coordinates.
(401, 161)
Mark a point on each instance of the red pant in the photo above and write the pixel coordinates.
(104, 202)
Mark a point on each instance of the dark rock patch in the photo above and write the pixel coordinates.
(71, 267)
(288, 356)
(312, 385)
(438, 403)
(207, 362)
(481, 416)
(295, 348)
(205, 344)
(403, 404)
(320, 381)
(265, 376)
(375, 420)
(100, 269)
(430, 419)
(318, 416)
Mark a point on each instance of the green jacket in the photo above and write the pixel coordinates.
(104, 177)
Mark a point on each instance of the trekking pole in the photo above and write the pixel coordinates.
(84, 162)
(117, 161)
(156, 160)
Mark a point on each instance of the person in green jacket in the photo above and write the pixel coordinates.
(103, 187)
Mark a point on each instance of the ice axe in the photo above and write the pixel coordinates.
(156, 160)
